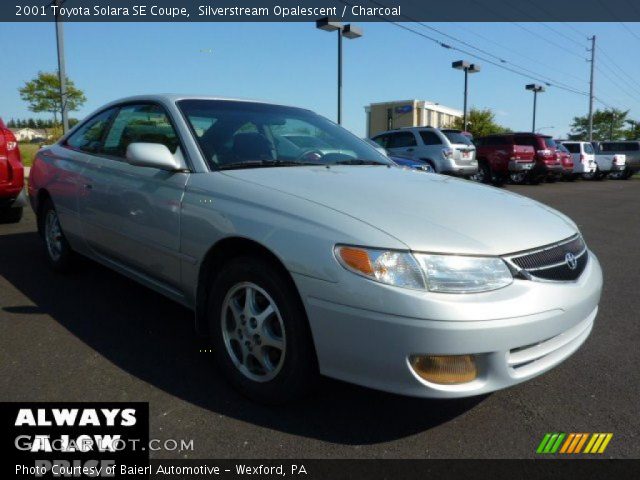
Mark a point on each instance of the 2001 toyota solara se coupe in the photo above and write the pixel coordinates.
(303, 251)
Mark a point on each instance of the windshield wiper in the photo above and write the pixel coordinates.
(357, 161)
(264, 163)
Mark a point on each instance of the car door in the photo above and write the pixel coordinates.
(132, 216)
(402, 143)
(65, 180)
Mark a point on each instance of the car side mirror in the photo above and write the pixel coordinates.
(153, 155)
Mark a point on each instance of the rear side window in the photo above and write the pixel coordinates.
(620, 147)
(573, 147)
(89, 136)
(430, 138)
(457, 137)
(382, 140)
(549, 142)
(401, 139)
(140, 123)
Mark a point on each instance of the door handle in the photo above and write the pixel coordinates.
(88, 186)
(409, 149)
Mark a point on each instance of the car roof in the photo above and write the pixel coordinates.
(174, 97)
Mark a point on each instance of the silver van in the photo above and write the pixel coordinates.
(447, 151)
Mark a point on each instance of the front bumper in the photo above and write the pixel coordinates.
(516, 333)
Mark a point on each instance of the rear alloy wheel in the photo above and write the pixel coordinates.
(10, 215)
(260, 333)
(57, 249)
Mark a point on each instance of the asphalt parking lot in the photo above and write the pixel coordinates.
(96, 336)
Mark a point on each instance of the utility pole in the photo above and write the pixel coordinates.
(593, 60)
(62, 74)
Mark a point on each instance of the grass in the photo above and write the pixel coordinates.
(28, 152)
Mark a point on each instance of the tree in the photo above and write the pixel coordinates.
(480, 122)
(608, 124)
(633, 132)
(43, 94)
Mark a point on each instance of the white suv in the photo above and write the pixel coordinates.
(447, 151)
(584, 158)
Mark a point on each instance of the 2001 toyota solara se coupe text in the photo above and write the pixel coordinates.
(303, 251)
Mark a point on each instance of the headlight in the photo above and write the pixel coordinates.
(460, 274)
(390, 267)
(436, 273)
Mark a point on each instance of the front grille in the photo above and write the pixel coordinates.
(551, 263)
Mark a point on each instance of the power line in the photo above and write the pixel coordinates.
(484, 59)
(629, 30)
(498, 58)
(630, 81)
(531, 59)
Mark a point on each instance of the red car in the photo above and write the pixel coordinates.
(566, 160)
(501, 158)
(12, 197)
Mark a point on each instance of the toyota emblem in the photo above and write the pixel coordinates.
(572, 261)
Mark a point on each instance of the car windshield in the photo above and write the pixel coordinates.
(235, 134)
(588, 148)
(549, 142)
(562, 148)
(455, 136)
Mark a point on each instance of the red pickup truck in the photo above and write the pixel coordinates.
(502, 157)
(12, 197)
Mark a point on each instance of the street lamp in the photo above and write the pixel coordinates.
(535, 88)
(348, 31)
(467, 68)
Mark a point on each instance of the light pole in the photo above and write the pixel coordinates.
(467, 68)
(535, 88)
(62, 75)
(348, 31)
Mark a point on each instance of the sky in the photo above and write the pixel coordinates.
(295, 64)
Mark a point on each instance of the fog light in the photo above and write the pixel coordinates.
(445, 369)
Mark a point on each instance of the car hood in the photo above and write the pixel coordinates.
(427, 212)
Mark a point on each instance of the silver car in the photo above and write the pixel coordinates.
(298, 263)
(447, 151)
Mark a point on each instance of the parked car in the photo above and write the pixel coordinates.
(584, 158)
(631, 151)
(566, 160)
(411, 163)
(548, 165)
(12, 197)
(447, 151)
(500, 159)
(298, 264)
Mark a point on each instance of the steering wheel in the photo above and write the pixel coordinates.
(310, 155)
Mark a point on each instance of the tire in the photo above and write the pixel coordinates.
(518, 178)
(591, 176)
(484, 174)
(433, 165)
(57, 250)
(271, 360)
(11, 215)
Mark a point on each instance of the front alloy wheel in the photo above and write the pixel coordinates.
(259, 331)
(253, 332)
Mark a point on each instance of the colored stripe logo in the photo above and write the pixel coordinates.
(573, 443)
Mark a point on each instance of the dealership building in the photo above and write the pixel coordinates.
(408, 113)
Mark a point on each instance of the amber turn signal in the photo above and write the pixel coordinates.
(356, 258)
